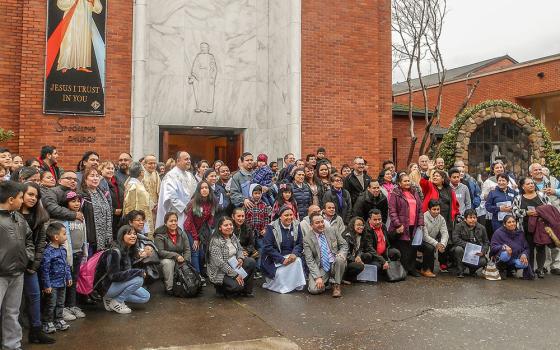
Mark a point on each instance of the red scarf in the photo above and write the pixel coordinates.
(173, 236)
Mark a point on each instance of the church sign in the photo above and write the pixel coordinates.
(75, 57)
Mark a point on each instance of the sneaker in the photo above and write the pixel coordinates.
(106, 303)
(258, 275)
(460, 274)
(555, 271)
(49, 328)
(443, 268)
(61, 325)
(67, 314)
(119, 308)
(77, 312)
(203, 281)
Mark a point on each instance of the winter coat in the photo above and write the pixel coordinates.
(474, 190)
(246, 238)
(366, 245)
(463, 234)
(431, 192)
(366, 202)
(17, 246)
(272, 246)
(434, 227)
(381, 259)
(354, 187)
(218, 266)
(53, 201)
(514, 239)
(114, 266)
(399, 215)
(494, 197)
(165, 247)
(39, 241)
(346, 211)
(55, 271)
(240, 182)
(303, 198)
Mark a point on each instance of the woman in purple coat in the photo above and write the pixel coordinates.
(510, 249)
(405, 213)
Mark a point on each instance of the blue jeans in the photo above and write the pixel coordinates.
(509, 260)
(130, 291)
(32, 292)
(196, 256)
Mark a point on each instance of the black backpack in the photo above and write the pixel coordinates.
(186, 281)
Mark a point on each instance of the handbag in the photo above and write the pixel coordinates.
(490, 272)
(395, 272)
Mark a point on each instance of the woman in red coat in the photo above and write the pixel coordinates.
(437, 187)
(405, 212)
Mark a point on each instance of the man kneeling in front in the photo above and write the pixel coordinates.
(325, 254)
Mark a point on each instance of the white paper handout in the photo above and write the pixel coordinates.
(502, 214)
(240, 271)
(369, 274)
(470, 256)
(418, 236)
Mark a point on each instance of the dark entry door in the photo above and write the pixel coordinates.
(502, 139)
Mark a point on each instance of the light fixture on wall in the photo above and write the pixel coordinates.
(540, 75)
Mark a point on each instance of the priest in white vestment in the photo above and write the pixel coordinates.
(75, 49)
(177, 188)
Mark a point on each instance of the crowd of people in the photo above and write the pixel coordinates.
(306, 225)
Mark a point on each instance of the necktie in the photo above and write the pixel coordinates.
(324, 253)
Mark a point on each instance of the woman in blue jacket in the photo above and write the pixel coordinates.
(498, 199)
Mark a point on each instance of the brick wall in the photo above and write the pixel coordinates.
(346, 79)
(509, 85)
(35, 129)
(10, 66)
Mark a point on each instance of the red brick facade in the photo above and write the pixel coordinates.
(346, 79)
(512, 85)
(22, 77)
(346, 82)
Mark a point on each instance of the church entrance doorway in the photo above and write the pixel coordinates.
(210, 144)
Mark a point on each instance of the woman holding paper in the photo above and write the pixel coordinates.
(229, 269)
(282, 251)
(524, 209)
(499, 201)
(405, 213)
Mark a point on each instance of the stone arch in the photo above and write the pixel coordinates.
(523, 120)
(455, 144)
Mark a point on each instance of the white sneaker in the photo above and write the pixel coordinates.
(106, 302)
(67, 314)
(77, 312)
(119, 308)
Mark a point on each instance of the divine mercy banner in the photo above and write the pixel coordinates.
(75, 58)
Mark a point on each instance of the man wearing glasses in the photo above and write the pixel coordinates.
(358, 180)
(54, 199)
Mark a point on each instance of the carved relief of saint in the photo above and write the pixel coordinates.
(75, 49)
(203, 79)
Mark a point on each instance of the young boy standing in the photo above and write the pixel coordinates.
(55, 276)
(257, 217)
(16, 249)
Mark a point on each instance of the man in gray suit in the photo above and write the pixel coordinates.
(325, 254)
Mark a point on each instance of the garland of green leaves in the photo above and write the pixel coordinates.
(5, 135)
(447, 148)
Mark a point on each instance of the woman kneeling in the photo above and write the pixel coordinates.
(224, 246)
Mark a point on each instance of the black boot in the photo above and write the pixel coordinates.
(36, 336)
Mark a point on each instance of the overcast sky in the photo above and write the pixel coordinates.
(476, 30)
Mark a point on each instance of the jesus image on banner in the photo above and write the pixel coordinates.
(75, 49)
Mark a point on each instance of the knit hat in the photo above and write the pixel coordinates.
(491, 272)
(262, 158)
(70, 195)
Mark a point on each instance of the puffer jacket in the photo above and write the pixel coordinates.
(303, 198)
(16, 248)
(52, 201)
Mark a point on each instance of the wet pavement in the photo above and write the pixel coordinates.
(419, 313)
